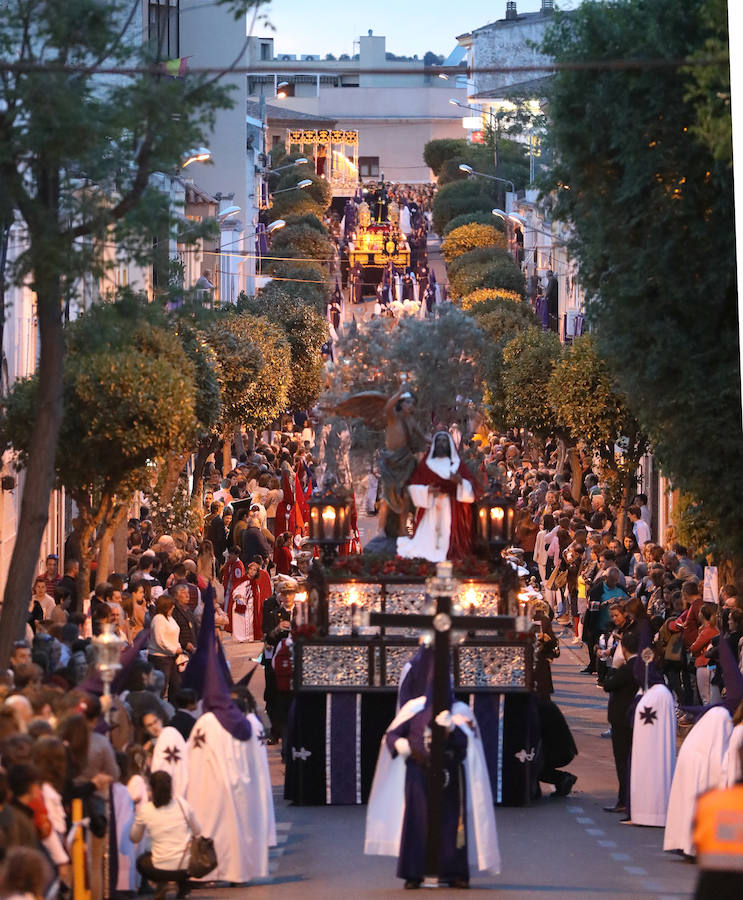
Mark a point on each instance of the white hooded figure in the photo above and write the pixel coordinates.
(170, 755)
(653, 756)
(698, 768)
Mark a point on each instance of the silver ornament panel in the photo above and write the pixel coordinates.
(333, 666)
(492, 666)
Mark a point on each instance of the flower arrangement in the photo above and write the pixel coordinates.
(405, 308)
(375, 567)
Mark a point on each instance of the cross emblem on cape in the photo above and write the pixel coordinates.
(199, 739)
(648, 715)
(442, 621)
(173, 754)
(262, 737)
(302, 754)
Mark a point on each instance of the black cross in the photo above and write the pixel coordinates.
(442, 622)
(173, 754)
(199, 738)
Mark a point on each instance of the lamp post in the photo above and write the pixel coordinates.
(301, 161)
(463, 167)
(491, 116)
(200, 154)
(108, 646)
(494, 525)
(330, 524)
(304, 183)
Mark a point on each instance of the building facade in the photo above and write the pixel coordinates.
(395, 113)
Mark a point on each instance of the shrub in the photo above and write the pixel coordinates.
(437, 152)
(486, 299)
(475, 218)
(301, 241)
(484, 268)
(503, 319)
(462, 197)
(468, 237)
(308, 219)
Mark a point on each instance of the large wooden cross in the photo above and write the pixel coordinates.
(443, 622)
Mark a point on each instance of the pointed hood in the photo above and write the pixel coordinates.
(205, 673)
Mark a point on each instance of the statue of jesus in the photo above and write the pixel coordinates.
(443, 490)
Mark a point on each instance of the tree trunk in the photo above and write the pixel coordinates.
(628, 484)
(239, 445)
(34, 513)
(87, 527)
(577, 474)
(121, 550)
(226, 453)
(251, 441)
(207, 446)
(116, 516)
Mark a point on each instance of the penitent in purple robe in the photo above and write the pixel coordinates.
(411, 863)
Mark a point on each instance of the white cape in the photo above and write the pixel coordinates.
(698, 768)
(386, 808)
(732, 771)
(262, 776)
(653, 756)
(127, 876)
(229, 800)
(171, 755)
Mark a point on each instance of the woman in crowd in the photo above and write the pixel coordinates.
(164, 645)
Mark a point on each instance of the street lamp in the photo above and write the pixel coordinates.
(280, 92)
(228, 212)
(463, 167)
(494, 527)
(297, 162)
(305, 182)
(200, 154)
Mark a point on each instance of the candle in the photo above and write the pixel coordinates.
(300, 609)
(355, 617)
(470, 598)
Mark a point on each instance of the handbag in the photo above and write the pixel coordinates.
(202, 857)
(558, 579)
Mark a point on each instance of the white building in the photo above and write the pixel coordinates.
(395, 113)
(207, 35)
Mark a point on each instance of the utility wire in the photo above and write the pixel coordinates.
(156, 69)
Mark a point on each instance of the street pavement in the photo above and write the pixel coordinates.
(558, 848)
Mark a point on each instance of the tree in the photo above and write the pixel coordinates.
(583, 397)
(76, 155)
(315, 198)
(519, 397)
(130, 396)
(647, 185)
(306, 331)
(377, 353)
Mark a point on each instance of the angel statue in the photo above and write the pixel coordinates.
(403, 439)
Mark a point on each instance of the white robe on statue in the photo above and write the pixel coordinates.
(732, 770)
(698, 768)
(433, 533)
(242, 623)
(170, 755)
(386, 808)
(229, 800)
(653, 756)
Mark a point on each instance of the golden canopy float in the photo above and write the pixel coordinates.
(334, 152)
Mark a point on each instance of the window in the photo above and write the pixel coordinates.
(277, 140)
(163, 28)
(265, 51)
(368, 166)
